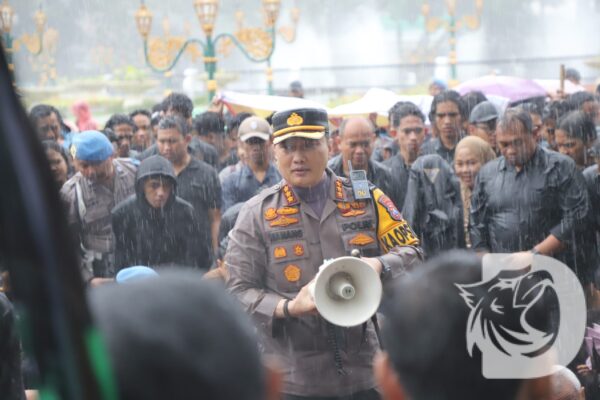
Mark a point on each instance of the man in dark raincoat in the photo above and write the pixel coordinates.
(530, 199)
(154, 227)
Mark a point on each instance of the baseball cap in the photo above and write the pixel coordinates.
(310, 123)
(91, 146)
(483, 112)
(254, 127)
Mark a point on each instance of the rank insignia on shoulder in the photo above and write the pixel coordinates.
(284, 221)
(289, 195)
(292, 273)
(352, 213)
(361, 240)
(339, 190)
(390, 207)
(279, 252)
(287, 211)
(270, 214)
(299, 250)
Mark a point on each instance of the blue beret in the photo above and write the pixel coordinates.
(136, 273)
(92, 146)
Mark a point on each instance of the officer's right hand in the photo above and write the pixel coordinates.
(303, 303)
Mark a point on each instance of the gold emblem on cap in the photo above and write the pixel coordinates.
(295, 119)
(73, 151)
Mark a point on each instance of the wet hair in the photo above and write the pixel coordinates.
(119, 119)
(158, 107)
(42, 111)
(236, 121)
(578, 125)
(431, 365)
(516, 115)
(577, 99)
(572, 73)
(555, 110)
(52, 145)
(403, 109)
(531, 108)
(110, 134)
(186, 354)
(155, 120)
(179, 103)
(140, 112)
(174, 122)
(209, 122)
(448, 95)
(473, 98)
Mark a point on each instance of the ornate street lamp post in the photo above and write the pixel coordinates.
(452, 24)
(33, 43)
(244, 35)
(258, 47)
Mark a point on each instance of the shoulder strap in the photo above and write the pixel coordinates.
(81, 208)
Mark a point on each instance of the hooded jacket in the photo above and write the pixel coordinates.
(157, 237)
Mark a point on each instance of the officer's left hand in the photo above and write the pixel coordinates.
(374, 263)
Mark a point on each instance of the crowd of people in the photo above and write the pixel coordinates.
(259, 204)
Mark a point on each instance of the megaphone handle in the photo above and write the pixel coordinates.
(333, 342)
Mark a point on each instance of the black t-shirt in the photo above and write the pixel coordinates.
(199, 185)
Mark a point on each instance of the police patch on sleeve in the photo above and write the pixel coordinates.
(389, 206)
(392, 229)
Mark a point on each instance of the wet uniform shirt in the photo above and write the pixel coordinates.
(242, 185)
(277, 246)
(94, 228)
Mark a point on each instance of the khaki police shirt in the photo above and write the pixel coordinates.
(277, 247)
(95, 227)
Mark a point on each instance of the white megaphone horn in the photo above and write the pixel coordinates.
(346, 291)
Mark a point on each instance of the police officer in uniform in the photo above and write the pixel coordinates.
(89, 196)
(280, 239)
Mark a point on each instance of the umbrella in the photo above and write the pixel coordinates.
(511, 87)
(379, 101)
(263, 105)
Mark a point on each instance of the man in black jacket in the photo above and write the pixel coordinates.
(154, 227)
(356, 144)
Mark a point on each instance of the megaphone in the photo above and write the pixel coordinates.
(347, 291)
